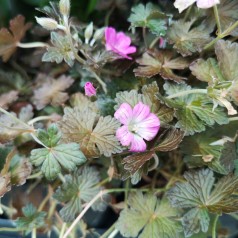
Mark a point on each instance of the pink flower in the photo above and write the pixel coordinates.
(183, 4)
(118, 42)
(138, 124)
(89, 89)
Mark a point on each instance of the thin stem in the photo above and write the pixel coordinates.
(233, 119)
(144, 36)
(104, 86)
(113, 234)
(156, 163)
(38, 141)
(109, 13)
(41, 118)
(32, 45)
(187, 13)
(109, 231)
(217, 19)
(36, 175)
(183, 93)
(8, 161)
(100, 194)
(33, 233)
(153, 43)
(43, 203)
(12, 229)
(63, 230)
(224, 34)
(214, 226)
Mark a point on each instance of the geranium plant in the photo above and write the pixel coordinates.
(136, 115)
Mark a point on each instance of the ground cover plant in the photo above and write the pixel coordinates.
(128, 107)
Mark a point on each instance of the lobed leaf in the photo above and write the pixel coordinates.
(146, 216)
(188, 40)
(9, 39)
(79, 188)
(200, 196)
(51, 91)
(155, 62)
(96, 135)
(32, 218)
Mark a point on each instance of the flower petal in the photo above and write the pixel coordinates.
(140, 112)
(123, 41)
(130, 50)
(110, 37)
(137, 144)
(124, 135)
(183, 4)
(124, 113)
(207, 3)
(149, 127)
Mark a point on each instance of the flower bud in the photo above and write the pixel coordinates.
(88, 32)
(47, 23)
(99, 33)
(89, 89)
(64, 6)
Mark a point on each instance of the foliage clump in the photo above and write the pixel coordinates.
(143, 121)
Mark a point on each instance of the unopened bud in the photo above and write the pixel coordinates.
(47, 23)
(99, 33)
(64, 6)
(88, 32)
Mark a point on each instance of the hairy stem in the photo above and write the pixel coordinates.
(222, 35)
(214, 226)
(217, 19)
(104, 86)
(144, 36)
(32, 45)
(183, 93)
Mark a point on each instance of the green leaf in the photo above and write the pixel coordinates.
(50, 137)
(51, 160)
(32, 218)
(201, 196)
(95, 134)
(207, 71)
(148, 16)
(193, 111)
(56, 156)
(61, 50)
(155, 62)
(205, 149)
(147, 216)
(188, 40)
(79, 188)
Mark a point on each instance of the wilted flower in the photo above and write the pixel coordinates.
(138, 124)
(183, 4)
(118, 42)
(47, 23)
(89, 89)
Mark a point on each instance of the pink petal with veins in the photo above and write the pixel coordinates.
(124, 135)
(137, 144)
